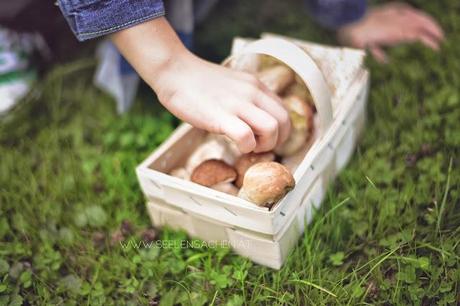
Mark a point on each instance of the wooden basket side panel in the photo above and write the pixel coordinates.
(320, 166)
(334, 152)
(162, 215)
(260, 249)
(151, 187)
(176, 153)
(215, 209)
(356, 121)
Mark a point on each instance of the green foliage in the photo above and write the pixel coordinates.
(387, 232)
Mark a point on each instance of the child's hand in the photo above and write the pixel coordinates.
(390, 25)
(206, 95)
(223, 101)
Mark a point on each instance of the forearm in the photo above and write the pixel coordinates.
(152, 48)
(206, 95)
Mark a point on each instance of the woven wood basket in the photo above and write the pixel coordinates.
(339, 85)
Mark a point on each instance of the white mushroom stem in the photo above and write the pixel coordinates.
(228, 188)
(299, 89)
(276, 78)
(293, 161)
(180, 173)
(214, 147)
(301, 117)
(248, 63)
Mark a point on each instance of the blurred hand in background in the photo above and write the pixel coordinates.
(390, 25)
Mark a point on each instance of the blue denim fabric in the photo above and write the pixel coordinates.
(333, 14)
(93, 18)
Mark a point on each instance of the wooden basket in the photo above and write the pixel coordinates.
(338, 85)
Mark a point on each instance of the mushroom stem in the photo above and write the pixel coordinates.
(225, 187)
(301, 117)
(276, 78)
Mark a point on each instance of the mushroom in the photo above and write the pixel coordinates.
(245, 161)
(299, 89)
(293, 161)
(247, 63)
(228, 188)
(301, 117)
(265, 183)
(276, 78)
(212, 172)
(214, 147)
(181, 173)
(267, 61)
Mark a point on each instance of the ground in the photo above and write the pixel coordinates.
(387, 233)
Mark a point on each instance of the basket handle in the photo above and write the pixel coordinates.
(303, 65)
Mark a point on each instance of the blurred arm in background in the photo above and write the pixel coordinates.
(378, 27)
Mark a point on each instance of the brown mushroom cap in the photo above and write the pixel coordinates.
(212, 172)
(301, 116)
(245, 161)
(265, 183)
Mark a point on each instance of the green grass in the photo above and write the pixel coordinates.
(387, 233)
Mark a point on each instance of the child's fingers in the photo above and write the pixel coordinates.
(429, 41)
(428, 24)
(271, 103)
(379, 55)
(264, 126)
(398, 6)
(239, 132)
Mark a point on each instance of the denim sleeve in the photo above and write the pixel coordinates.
(333, 14)
(92, 18)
